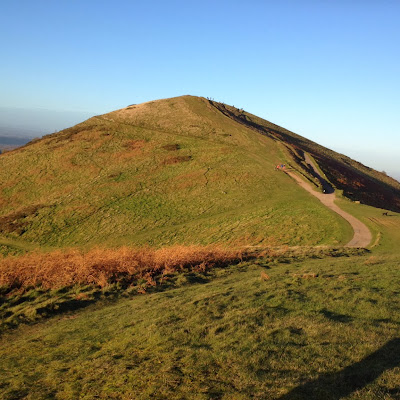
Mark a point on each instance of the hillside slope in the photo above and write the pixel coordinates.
(286, 326)
(357, 181)
(169, 171)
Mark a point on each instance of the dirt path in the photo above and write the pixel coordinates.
(362, 235)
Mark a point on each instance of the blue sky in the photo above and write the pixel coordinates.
(328, 70)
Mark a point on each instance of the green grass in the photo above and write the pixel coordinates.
(310, 324)
(6, 250)
(233, 335)
(385, 229)
(171, 171)
(9, 247)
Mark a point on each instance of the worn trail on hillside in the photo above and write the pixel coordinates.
(362, 235)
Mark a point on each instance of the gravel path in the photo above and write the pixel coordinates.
(362, 235)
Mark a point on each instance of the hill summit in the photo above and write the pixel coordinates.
(180, 170)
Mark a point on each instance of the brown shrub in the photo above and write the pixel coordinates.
(102, 267)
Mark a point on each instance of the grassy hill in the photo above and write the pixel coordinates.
(267, 321)
(164, 172)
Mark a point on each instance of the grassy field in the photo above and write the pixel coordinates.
(160, 173)
(308, 323)
(308, 329)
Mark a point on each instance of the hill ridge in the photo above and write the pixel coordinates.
(354, 170)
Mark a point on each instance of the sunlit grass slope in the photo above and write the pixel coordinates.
(385, 228)
(292, 327)
(164, 172)
(304, 329)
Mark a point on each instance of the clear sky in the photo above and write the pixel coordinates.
(328, 70)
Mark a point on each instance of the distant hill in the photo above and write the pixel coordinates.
(180, 170)
(11, 137)
(12, 142)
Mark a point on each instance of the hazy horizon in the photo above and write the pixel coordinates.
(39, 121)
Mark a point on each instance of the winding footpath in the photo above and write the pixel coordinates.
(362, 235)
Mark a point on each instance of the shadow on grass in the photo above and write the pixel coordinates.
(62, 307)
(35, 304)
(326, 186)
(337, 385)
(336, 317)
(31, 308)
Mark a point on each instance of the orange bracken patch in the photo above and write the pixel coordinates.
(102, 267)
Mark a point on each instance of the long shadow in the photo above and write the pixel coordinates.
(337, 385)
(326, 186)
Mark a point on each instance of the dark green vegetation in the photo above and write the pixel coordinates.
(169, 171)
